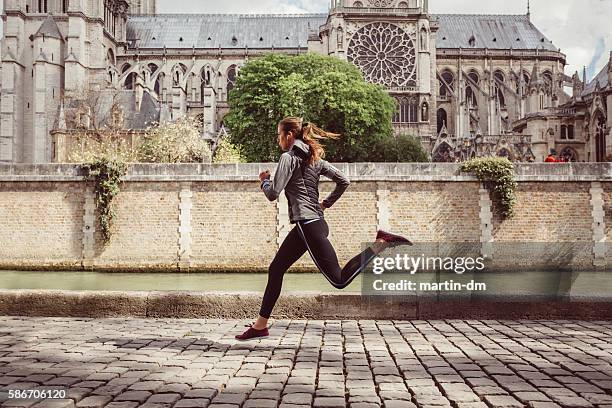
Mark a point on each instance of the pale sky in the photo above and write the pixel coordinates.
(581, 28)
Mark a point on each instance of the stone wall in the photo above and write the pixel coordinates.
(213, 217)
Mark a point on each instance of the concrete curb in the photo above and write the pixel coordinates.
(178, 304)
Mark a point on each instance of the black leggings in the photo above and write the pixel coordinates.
(311, 237)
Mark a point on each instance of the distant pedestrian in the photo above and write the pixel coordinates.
(552, 157)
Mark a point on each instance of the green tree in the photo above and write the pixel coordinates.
(325, 90)
(401, 148)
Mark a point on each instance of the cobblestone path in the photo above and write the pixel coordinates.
(197, 363)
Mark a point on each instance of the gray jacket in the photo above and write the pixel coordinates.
(301, 183)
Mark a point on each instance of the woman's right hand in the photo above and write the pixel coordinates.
(264, 175)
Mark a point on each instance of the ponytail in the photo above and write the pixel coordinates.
(310, 134)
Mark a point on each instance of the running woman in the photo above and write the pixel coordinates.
(298, 172)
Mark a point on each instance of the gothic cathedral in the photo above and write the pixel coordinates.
(465, 85)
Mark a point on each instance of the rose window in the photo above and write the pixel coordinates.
(385, 55)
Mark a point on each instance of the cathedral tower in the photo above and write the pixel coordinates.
(51, 48)
(14, 48)
(392, 42)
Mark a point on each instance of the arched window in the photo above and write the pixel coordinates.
(563, 132)
(148, 72)
(473, 75)
(501, 98)
(207, 75)
(178, 74)
(570, 132)
(499, 78)
(522, 83)
(231, 78)
(447, 81)
(548, 80)
(442, 120)
(152, 68)
(470, 97)
(407, 111)
(130, 81)
(600, 138)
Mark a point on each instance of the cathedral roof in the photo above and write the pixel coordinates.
(222, 30)
(493, 31)
(49, 28)
(600, 79)
(291, 31)
(133, 118)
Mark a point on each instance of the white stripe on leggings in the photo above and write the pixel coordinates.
(310, 221)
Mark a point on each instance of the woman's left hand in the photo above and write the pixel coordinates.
(322, 206)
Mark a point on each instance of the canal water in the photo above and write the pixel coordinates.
(137, 281)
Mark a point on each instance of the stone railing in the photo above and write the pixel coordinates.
(378, 10)
(355, 171)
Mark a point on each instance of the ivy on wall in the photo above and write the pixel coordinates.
(498, 176)
(106, 175)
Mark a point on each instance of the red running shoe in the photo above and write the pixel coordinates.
(252, 333)
(392, 238)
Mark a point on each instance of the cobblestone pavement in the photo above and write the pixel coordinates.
(197, 363)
